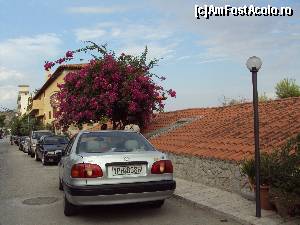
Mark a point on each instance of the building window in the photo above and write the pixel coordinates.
(49, 114)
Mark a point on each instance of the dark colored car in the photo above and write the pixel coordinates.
(22, 143)
(11, 140)
(26, 144)
(34, 138)
(17, 140)
(50, 148)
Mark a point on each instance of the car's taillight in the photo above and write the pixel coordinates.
(86, 170)
(162, 166)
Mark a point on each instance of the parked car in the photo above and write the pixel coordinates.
(50, 148)
(22, 142)
(113, 167)
(34, 137)
(16, 140)
(26, 144)
(11, 140)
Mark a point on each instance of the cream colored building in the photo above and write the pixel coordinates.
(22, 101)
(44, 103)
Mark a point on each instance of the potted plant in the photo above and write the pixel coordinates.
(266, 165)
(285, 186)
(248, 170)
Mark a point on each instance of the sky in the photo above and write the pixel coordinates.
(203, 60)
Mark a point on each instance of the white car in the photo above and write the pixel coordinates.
(113, 167)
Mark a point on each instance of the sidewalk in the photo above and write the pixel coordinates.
(228, 204)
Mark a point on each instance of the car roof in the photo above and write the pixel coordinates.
(54, 135)
(106, 131)
(42, 131)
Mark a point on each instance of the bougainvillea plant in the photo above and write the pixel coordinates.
(120, 88)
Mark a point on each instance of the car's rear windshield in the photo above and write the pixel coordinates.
(55, 140)
(103, 142)
(38, 135)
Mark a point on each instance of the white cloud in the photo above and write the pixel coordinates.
(6, 74)
(183, 57)
(123, 31)
(83, 34)
(26, 51)
(21, 62)
(132, 38)
(8, 94)
(274, 39)
(94, 10)
(154, 50)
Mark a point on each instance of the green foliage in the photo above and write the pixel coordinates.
(21, 126)
(266, 164)
(287, 88)
(286, 169)
(264, 98)
(248, 168)
(2, 120)
(279, 169)
(231, 101)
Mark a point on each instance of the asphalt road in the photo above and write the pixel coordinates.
(29, 195)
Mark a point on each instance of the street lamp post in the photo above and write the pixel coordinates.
(254, 64)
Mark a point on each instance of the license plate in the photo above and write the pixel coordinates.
(126, 171)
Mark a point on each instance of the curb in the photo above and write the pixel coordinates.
(213, 210)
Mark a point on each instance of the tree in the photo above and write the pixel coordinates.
(121, 89)
(22, 125)
(2, 120)
(287, 88)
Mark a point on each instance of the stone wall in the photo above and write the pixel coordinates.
(216, 173)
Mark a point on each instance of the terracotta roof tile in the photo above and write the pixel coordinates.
(226, 133)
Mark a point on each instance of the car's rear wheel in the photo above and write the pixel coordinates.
(69, 208)
(60, 186)
(157, 204)
(36, 157)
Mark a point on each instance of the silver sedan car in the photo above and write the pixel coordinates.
(113, 167)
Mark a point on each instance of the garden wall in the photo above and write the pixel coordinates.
(216, 173)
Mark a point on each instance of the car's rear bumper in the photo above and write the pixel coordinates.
(110, 194)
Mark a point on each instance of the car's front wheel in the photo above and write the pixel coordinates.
(44, 162)
(157, 204)
(60, 186)
(69, 208)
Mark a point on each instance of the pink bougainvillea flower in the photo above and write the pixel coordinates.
(172, 93)
(69, 54)
(60, 61)
(109, 86)
(48, 65)
(160, 97)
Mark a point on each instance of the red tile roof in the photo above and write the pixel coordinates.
(226, 133)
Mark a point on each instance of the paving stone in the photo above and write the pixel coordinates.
(228, 204)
